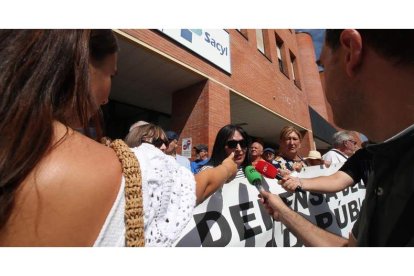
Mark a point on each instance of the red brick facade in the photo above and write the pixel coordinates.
(201, 110)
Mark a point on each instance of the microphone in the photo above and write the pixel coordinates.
(272, 172)
(268, 170)
(254, 177)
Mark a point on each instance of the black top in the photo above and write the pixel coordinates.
(358, 166)
(386, 217)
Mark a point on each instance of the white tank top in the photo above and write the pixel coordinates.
(169, 198)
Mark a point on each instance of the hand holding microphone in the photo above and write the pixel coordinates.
(292, 184)
(272, 172)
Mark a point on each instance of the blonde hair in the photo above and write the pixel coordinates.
(144, 132)
(287, 130)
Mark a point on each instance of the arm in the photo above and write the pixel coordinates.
(323, 184)
(208, 181)
(304, 230)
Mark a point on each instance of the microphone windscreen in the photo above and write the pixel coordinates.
(266, 169)
(252, 175)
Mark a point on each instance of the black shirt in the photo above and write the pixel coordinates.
(358, 166)
(386, 217)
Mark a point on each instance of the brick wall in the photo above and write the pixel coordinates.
(255, 75)
(310, 78)
(200, 111)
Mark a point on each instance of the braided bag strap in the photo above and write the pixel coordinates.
(134, 211)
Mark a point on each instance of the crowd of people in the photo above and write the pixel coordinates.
(66, 189)
(286, 159)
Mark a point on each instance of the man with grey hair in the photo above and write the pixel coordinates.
(344, 145)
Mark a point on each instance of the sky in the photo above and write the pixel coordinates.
(317, 37)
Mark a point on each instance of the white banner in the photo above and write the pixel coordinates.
(233, 216)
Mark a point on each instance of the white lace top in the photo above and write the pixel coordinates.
(169, 198)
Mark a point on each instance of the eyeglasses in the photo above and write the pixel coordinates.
(353, 142)
(157, 142)
(232, 144)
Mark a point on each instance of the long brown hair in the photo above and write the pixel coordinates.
(43, 77)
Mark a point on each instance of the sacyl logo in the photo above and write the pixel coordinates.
(187, 34)
(210, 40)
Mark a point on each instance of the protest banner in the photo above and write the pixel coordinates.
(233, 216)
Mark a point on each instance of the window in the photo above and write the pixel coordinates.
(280, 55)
(295, 73)
(260, 41)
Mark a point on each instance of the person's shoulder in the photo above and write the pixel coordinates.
(328, 156)
(360, 153)
(149, 155)
(90, 159)
(182, 158)
(329, 152)
(79, 180)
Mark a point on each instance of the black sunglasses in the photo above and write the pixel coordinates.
(232, 144)
(158, 142)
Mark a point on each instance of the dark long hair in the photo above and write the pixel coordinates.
(43, 77)
(219, 153)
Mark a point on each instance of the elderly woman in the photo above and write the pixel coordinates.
(148, 133)
(288, 159)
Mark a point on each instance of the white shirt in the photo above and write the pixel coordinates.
(168, 192)
(334, 156)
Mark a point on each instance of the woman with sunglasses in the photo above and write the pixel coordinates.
(150, 134)
(231, 139)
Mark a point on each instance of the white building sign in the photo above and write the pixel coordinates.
(213, 45)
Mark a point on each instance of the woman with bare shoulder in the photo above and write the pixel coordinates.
(58, 187)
